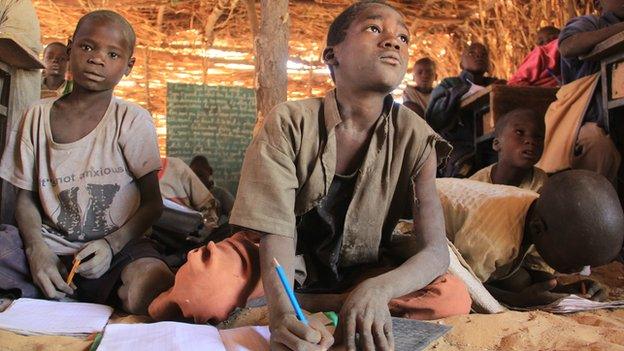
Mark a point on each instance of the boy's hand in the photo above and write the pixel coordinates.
(592, 289)
(539, 294)
(99, 263)
(366, 312)
(48, 272)
(289, 333)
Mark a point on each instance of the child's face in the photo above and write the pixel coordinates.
(373, 55)
(55, 60)
(544, 37)
(521, 142)
(100, 55)
(476, 59)
(615, 6)
(424, 75)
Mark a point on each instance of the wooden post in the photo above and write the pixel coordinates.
(271, 57)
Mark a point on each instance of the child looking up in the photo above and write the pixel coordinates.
(86, 165)
(417, 97)
(322, 187)
(519, 142)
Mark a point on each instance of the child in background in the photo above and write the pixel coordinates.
(53, 81)
(86, 164)
(519, 142)
(417, 97)
(443, 113)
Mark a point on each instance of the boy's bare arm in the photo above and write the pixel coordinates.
(45, 267)
(286, 331)
(150, 209)
(582, 43)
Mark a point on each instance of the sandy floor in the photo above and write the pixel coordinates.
(597, 330)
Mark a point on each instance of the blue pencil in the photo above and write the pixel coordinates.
(289, 291)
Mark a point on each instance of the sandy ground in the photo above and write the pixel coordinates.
(536, 330)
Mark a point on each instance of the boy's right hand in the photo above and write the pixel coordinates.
(288, 333)
(47, 271)
(539, 294)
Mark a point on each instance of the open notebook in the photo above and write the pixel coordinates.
(410, 335)
(182, 336)
(37, 317)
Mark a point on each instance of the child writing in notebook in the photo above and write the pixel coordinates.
(86, 165)
(331, 212)
(575, 221)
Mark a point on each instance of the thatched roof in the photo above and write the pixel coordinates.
(211, 41)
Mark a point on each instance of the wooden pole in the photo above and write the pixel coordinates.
(271, 57)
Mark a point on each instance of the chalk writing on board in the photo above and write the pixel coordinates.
(213, 121)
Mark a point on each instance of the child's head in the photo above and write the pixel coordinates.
(475, 59)
(367, 47)
(547, 34)
(101, 50)
(577, 221)
(201, 167)
(424, 72)
(519, 138)
(615, 6)
(55, 59)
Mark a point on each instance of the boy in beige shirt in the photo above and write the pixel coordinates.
(86, 165)
(575, 221)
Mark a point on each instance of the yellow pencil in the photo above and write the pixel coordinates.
(70, 277)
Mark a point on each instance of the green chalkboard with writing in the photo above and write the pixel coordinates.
(213, 121)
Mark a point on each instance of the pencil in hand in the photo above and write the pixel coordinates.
(289, 291)
(70, 276)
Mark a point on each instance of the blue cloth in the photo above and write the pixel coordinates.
(573, 68)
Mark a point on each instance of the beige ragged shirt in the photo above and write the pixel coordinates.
(485, 222)
(533, 181)
(290, 164)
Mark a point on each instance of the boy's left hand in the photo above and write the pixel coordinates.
(99, 263)
(592, 290)
(366, 312)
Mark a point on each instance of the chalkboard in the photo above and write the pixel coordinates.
(213, 121)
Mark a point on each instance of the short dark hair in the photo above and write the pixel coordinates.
(112, 17)
(550, 30)
(504, 120)
(425, 61)
(338, 28)
(54, 43)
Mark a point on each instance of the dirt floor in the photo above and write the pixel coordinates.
(509, 331)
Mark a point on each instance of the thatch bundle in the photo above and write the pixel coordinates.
(211, 41)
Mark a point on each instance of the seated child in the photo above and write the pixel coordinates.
(86, 165)
(417, 97)
(593, 150)
(443, 113)
(541, 68)
(53, 81)
(200, 166)
(331, 213)
(179, 184)
(575, 221)
(519, 142)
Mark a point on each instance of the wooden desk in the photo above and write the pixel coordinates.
(489, 104)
